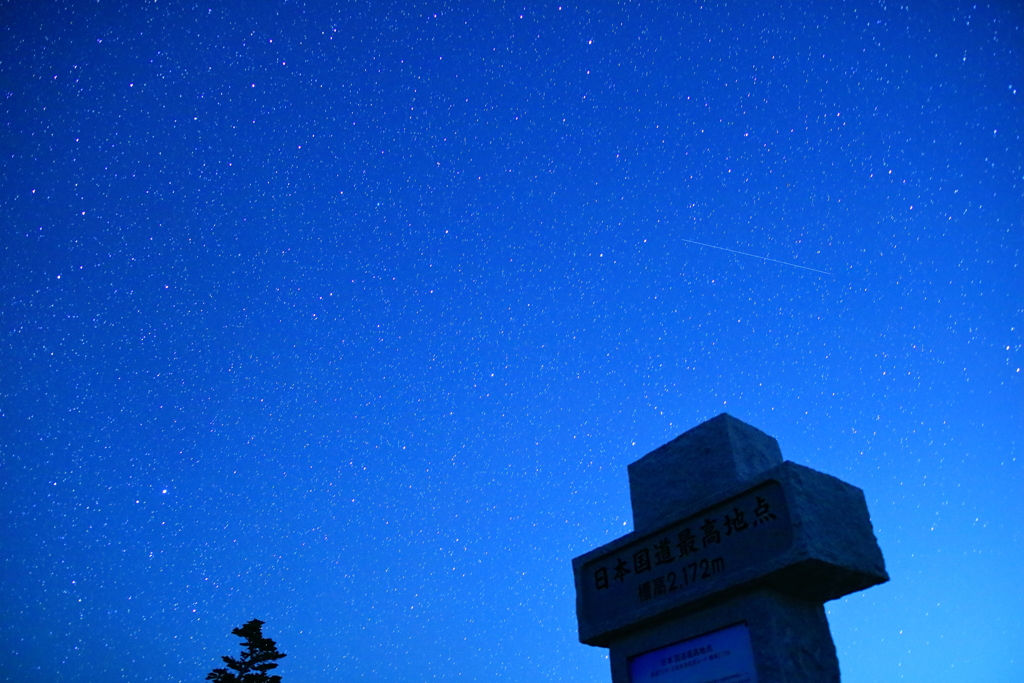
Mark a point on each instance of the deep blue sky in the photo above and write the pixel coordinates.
(350, 316)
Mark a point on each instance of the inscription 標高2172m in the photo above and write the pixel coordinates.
(718, 541)
(688, 574)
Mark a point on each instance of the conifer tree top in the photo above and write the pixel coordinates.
(258, 657)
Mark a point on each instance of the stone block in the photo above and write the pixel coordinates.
(713, 456)
(801, 532)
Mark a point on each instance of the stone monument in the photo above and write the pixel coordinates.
(733, 555)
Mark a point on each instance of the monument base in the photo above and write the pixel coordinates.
(760, 636)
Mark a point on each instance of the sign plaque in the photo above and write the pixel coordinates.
(724, 656)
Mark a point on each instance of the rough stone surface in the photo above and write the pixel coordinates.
(835, 532)
(712, 456)
(789, 636)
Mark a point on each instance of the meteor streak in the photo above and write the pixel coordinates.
(763, 258)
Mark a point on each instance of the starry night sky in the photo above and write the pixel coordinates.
(349, 317)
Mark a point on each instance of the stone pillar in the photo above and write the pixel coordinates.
(733, 555)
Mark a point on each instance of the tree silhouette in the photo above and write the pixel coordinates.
(256, 660)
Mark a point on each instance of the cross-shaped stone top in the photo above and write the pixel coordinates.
(717, 511)
(713, 456)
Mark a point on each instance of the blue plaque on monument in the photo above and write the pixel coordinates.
(719, 657)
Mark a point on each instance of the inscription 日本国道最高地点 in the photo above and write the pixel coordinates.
(714, 543)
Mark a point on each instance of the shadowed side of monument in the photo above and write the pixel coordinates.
(733, 554)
